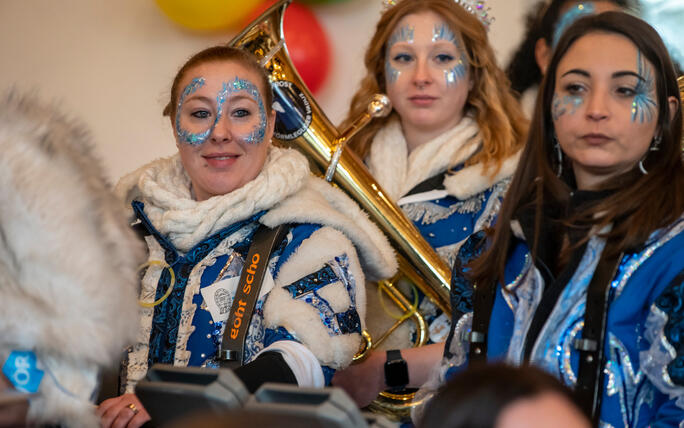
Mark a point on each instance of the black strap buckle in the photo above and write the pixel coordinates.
(476, 337)
(585, 345)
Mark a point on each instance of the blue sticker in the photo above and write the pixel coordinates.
(21, 369)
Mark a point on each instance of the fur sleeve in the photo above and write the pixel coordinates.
(320, 298)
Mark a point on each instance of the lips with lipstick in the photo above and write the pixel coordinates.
(221, 160)
(596, 138)
(422, 100)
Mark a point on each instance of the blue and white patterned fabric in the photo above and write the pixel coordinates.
(312, 303)
(465, 201)
(644, 347)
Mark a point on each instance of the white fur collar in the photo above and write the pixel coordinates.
(398, 172)
(284, 187)
(164, 187)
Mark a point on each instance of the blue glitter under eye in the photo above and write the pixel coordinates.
(569, 17)
(643, 105)
(566, 104)
(185, 136)
(237, 85)
(256, 136)
(456, 73)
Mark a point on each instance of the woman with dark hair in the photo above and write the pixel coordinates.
(502, 396)
(584, 272)
(546, 21)
(252, 261)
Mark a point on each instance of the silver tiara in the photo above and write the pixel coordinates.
(476, 7)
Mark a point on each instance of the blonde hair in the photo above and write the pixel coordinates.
(498, 114)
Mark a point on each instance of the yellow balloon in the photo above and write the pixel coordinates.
(207, 14)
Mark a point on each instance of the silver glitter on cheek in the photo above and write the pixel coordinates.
(566, 104)
(185, 136)
(391, 73)
(456, 73)
(259, 132)
(643, 106)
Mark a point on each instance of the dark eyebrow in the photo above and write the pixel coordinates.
(577, 71)
(627, 73)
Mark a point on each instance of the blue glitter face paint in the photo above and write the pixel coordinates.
(456, 73)
(239, 120)
(644, 106)
(185, 136)
(403, 34)
(569, 17)
(566, 104)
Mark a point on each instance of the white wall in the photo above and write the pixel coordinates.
(110, 63)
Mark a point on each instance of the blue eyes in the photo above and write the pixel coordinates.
(404, 58)
(241, 113)
(200, 114)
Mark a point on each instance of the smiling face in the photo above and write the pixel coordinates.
(426, 73)
(222, 127)
(604, 110)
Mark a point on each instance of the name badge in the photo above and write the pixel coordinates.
(21, 368)
(218, 297)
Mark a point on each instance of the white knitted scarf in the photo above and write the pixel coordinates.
(398, 171)
(165, 189)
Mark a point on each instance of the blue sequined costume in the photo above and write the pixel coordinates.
(312, 302)
(644, 346)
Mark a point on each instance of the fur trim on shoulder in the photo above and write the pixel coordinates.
(67, 257)
(164, 187)
(472, 180)
(320, 203)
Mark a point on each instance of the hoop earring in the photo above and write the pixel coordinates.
(559, 156)
(655, 146)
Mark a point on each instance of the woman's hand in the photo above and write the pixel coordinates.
(363, 381)
(122, 411)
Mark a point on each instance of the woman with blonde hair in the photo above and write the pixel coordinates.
(446, 152)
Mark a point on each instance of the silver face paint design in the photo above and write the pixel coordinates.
(403, 34)
(458, 72)
(238, 85)
(644, 106)
(569, 17)
(256, 136)
(566, 104)
(185, 136)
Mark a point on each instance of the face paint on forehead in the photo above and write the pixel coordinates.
(403, 34)
(456, 73)
(573, 14)
(566, 104)
(644, 106)
(259, 132)
(227, 89)
(185, 136)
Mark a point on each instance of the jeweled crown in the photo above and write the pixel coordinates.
(476, 7)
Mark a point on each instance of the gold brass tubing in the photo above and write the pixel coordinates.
(405, 306)
(367, 346)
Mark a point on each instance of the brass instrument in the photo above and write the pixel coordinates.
(300, 123)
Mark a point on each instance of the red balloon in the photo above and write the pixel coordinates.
(306, 42)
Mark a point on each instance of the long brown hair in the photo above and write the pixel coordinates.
(638, 204)
(501, 121)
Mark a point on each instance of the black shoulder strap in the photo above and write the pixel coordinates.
(483, 303)
(436, 182)
(247, 293)
(591, 346)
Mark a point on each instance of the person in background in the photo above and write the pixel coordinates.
(445, 154)
(204, 211)
(546, 22)
(583, 275)
(501, 396)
